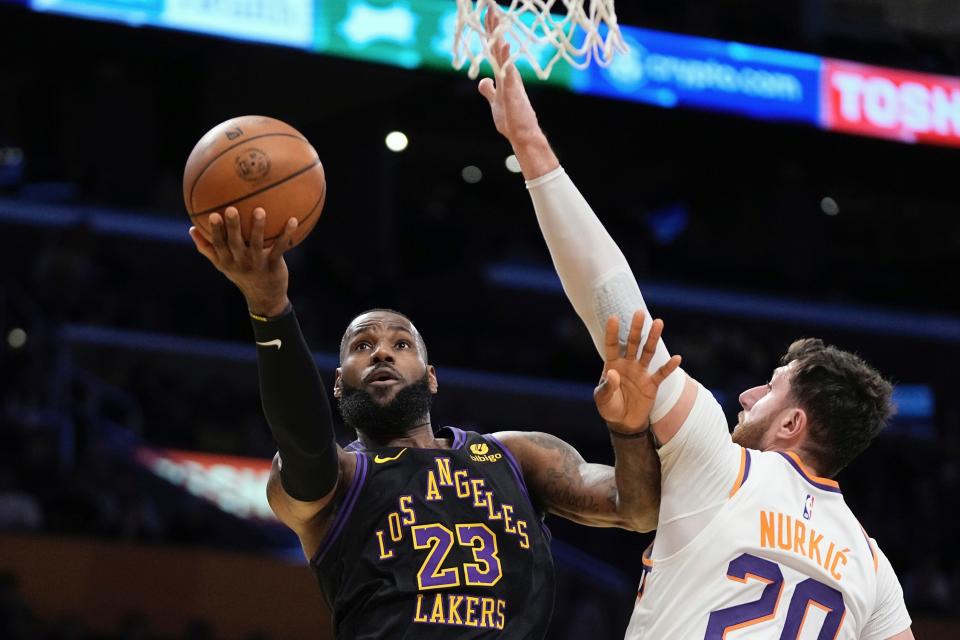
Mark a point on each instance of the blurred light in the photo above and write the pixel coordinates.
(472, 174)
(513, 165)
(829, 206)
(17, 338)
(11, 156)
(397, 141)
(11, 166)
(914, 401)
(668, 223)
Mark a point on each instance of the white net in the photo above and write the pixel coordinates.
(576, 34)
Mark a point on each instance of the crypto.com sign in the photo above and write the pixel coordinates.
(890, 103)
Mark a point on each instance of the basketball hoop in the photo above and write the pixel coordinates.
(579, 36)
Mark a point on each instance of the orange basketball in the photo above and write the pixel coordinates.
(250, 162)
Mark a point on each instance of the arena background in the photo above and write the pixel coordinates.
(132, 441)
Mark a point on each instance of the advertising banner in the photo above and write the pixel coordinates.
(132, 12)
(236, 485)
(889, 103)
(662, 69)
(408, 34)
(287, 22)
(673, 70)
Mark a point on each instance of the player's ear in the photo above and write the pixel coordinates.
(794, 423)
(338, 384)
(432, 379)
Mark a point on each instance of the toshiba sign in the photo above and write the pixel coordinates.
(907, 106)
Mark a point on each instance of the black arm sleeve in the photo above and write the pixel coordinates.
(296, 407)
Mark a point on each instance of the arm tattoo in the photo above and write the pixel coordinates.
(560, 483)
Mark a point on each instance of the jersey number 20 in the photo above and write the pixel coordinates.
(806, 594)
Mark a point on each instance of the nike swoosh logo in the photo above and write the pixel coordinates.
(382, 459)
(272, 343)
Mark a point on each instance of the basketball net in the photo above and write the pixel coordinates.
(578, 36)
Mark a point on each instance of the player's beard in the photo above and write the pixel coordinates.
(409, 408)
(751, 433)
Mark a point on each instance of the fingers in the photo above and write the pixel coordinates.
(502, 51)
(499, 47)
(256, 232)
(609, 385)
(661, 374)
(650, 346)
(284, 242)
(218, 237)
(507, 72)
(492, 18)
(633, 339)
(203, 246)
(488, 89)
(227, 245)
(611, 339)
(234, 233)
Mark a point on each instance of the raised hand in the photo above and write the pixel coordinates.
(260, 274)
(627, 387)
(512, 112)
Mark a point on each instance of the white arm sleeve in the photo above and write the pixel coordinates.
(889, 615)
(595, 274)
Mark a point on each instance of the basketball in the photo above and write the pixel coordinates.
(255, 161)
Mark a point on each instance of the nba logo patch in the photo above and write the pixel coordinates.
(808, 507)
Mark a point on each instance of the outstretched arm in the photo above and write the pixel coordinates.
(561, 482)
(595, 274)
(294, 401)
(628, 494)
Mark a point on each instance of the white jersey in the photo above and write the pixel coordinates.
(751, 545)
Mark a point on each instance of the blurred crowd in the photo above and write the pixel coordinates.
(18, 621)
